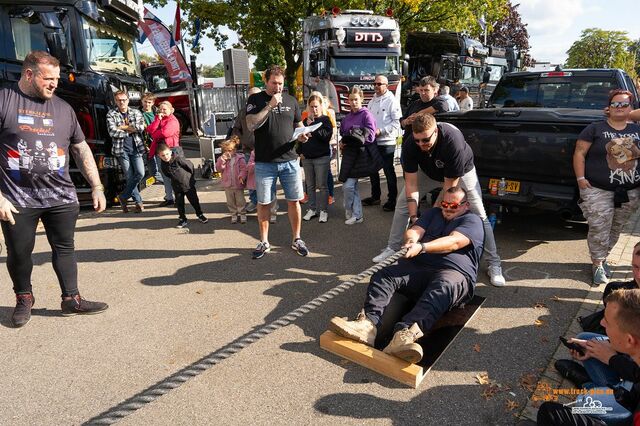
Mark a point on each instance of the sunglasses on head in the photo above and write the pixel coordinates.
(427, 139)
(619, 104)
(452, 206)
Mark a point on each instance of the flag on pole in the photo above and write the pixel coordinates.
(482, 22)
(196, 40)
(176, 24)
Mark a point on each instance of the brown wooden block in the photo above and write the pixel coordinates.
(373, 359)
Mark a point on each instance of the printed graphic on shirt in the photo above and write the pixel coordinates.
(622, 153)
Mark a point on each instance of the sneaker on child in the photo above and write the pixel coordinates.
(182, 223)
(324, 216)
(300, 247)
(309, 215)
(202, 218)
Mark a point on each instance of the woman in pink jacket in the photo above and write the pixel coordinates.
(165, 128)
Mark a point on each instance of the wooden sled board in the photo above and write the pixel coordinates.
(373, 359)
(434, 344)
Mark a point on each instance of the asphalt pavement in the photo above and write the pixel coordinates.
(199, 333)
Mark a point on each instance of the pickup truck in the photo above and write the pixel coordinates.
(527, 134)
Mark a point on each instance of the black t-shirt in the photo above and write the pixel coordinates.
(451, 156)
(272, 139)
(464, 260)
(612, 159)
(439, 104)
(34, 149)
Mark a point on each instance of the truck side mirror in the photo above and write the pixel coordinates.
(56, 38)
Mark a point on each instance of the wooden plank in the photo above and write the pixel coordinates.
(373, 359)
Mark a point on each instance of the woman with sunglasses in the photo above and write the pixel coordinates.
(359, 154)
(607, 169)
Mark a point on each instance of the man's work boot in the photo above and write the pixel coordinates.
(404, 346)
(22, 313)
(76, 305)
(361, 330)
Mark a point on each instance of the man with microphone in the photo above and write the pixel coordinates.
(272, 116)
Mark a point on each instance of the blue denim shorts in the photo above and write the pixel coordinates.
(289, 174)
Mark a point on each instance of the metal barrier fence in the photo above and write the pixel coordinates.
(218, 103)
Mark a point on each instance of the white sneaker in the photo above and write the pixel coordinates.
(309, 215)
(495, 276)
(353, 220)
(324, 216)
(387, 252)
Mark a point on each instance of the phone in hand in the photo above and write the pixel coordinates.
(572, 345)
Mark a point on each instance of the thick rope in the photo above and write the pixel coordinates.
(174, 381)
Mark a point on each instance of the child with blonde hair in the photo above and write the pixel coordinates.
(233, 167)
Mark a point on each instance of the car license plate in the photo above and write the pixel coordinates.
(513, 186)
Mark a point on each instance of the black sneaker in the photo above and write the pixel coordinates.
(166, 203)
(76, 305)
(300, 247)
(572, 371)
(182, 223)
(22, 313)
(202, 218)
(370, 201)
(389, 206)
(260, 250)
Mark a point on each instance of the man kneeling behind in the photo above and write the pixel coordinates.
(438, 273)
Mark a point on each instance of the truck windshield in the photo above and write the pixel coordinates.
(582, 92)
(109, 49)
(358, 66)
(471, 75)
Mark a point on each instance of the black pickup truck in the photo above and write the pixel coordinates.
(528, 133)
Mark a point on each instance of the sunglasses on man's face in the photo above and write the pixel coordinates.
(379, 84)
(619, 104)
(452, 206)
(427, 139)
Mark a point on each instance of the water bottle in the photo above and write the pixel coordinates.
(502, 187)
(492, 220)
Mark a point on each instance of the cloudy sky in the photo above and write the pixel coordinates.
(553, 25)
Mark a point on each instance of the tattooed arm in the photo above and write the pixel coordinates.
(87, 165)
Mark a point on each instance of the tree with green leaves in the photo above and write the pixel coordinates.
(278, 23)
(214, 71)
(598, 48)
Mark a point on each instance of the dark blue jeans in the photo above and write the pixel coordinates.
(434, 293)
(59, 225)
(133, 168)
(387, 152)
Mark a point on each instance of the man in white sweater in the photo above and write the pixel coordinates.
(386, 110)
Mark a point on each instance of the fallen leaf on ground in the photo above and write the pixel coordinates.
(344, 362)
(511, 405)
(198, 291)
(490, 391)
(540, 323)
(476, 347)
(483, 378)
(528, 381)
(539, 305)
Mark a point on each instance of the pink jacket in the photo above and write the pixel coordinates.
(165, 130)
(232, 171)
(251, 171)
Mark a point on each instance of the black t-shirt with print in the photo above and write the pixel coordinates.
(439, 104)
(451, 157)
(35, 136)
(612, 159)
(464, 260)
(272, 139)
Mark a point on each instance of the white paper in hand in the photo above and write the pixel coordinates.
(302, 130)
